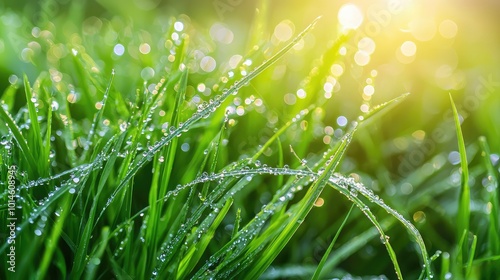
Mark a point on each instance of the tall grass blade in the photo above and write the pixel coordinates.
(321, 264)
(204, 113)
(463, 216)
(492, 188)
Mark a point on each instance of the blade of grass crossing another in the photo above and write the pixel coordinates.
(21, 141)
(373, 219)
(299, 214)
(160, 184)
(51, 243)
(468, 267)
(95, 258)
(81, 253)
(196, 251)
(203, 113)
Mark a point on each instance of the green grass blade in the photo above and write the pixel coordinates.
(23, 144)
(472, 251)
(51, 244)
(445, 266)
(492, 188)
(196, 251)
(321, 264)
(95, 258)
(343, 188)
(463, 217)
(98, 115)
(48, 133)
(203, 113)
(81, 259)
(33, 115)
(299, 214)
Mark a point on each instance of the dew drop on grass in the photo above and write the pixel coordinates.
(494, 159)
(383, 239)
(38, 232)
(123, 126)
(72, 191)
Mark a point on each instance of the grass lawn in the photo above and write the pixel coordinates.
(249, 139)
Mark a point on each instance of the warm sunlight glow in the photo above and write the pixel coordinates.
(350, 16)
(423, 29)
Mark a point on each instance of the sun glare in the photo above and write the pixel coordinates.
(350, 16)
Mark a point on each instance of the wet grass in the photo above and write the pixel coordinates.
(130, 168)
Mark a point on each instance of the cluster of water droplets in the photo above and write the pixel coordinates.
(127, 230)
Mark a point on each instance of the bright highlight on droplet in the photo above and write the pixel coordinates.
(235, 60)
(342, 121)
(319, 202)
(144, 48)
(361, 58)
(119, 49)
(369, 90)
(178, 26)
(336, 70)
(208, 64)
(221, 33)
(367, 44)
(350, 16)
(408, 48)
(328, 87)
(201, 87)
(301, 94)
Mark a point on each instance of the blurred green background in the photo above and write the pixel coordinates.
(456, 44)
(427, 48)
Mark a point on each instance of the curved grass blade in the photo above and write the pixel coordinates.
(361, 189)
(203, 113)
(345, 187)
(302, 210)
